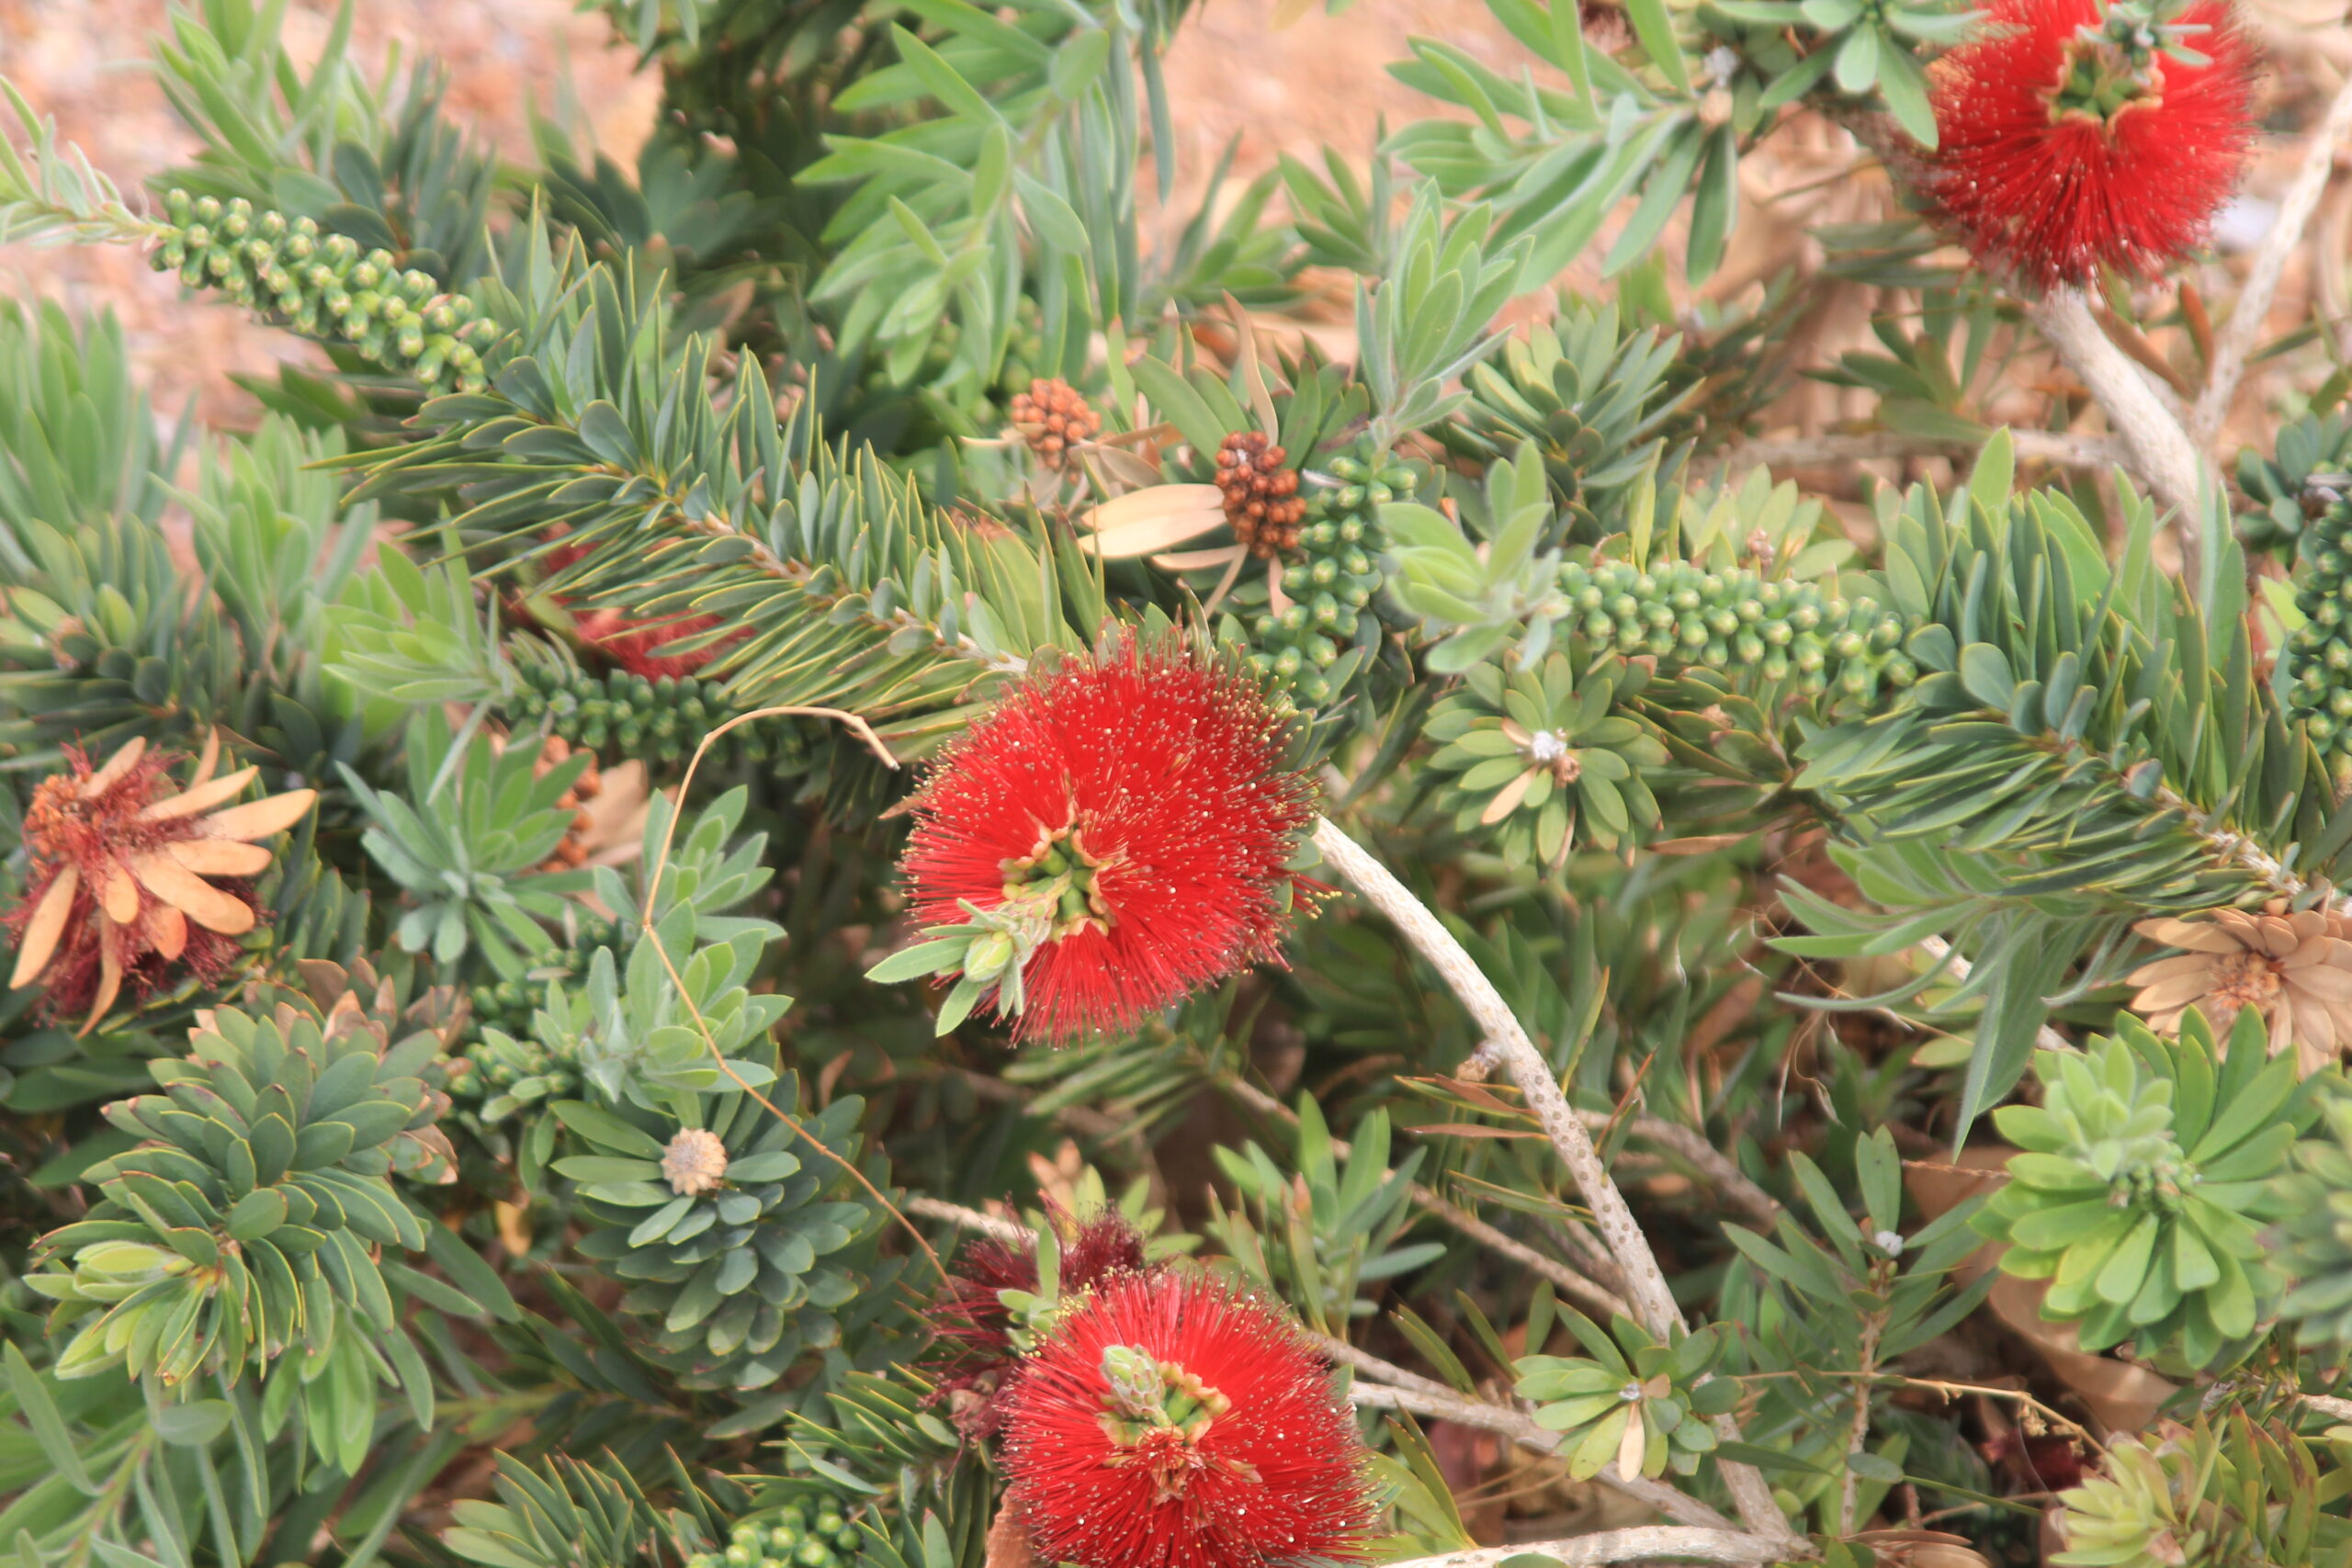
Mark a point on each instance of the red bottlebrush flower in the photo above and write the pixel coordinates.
(1124, 821)
(974, 1355)
(1172, 1422)
(630, 641)
(2066, 143)
(119, 894)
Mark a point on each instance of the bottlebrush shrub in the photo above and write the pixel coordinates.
(1071, 580)
(2144, 1179)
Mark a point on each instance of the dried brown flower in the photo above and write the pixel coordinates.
(2295, 970)
(119, 893)
(695, 1162)
(1916, 1548)
(1261, 499)
(1053, 417)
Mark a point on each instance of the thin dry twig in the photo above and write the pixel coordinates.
(2243, 329)
(1590, 1293)
(2063, 447)
(1447, 1406)
(1613, 1217)
(1646, 1543)
(702, 1025)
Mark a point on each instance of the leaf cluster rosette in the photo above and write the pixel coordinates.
(1536, 752)
(740, 1278)
(2143, 1181)
(249, 1220)
(1634, 1402)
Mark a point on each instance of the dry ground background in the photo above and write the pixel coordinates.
(1293, 89)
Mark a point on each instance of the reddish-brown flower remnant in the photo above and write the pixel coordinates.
(2069, 139)
(1171, 1421)
(1124, 823)
(1052, 416)
(1262, 499)
(119, 893)
(974, 1356)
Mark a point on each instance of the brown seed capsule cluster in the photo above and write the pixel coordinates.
(1052, 417)
(1261, 498)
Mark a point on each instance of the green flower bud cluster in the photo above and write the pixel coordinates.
(1331, 580)
(659, 720)
(817, 1533)
(323, 285)
(2319, 687)
(1738, 620)
(505, 1068)
(2143, 1182)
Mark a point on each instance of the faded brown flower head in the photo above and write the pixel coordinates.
(2295, 970)
(1921, 1549)
(695, 1162)
(1261, 498)
(1053, 417)
(118, 891)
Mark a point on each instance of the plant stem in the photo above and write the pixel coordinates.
(1652, 1544)
(1447, 1406)
(2159, 450)
(1591, 1293)
(1646, 1281)
(1859, 1435)
(1807, 451)
(2245, 327)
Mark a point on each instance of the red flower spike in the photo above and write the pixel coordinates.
(2058, 154)
(974, 1355)
(1173, 1422)
(630, 641)
(1130, 814)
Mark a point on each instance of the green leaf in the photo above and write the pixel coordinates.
(1183, 407)
(40, 1414)
(604, 1127)
(1856, 67)
(191, 1425)
(1904, 86)
(1654, 26)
